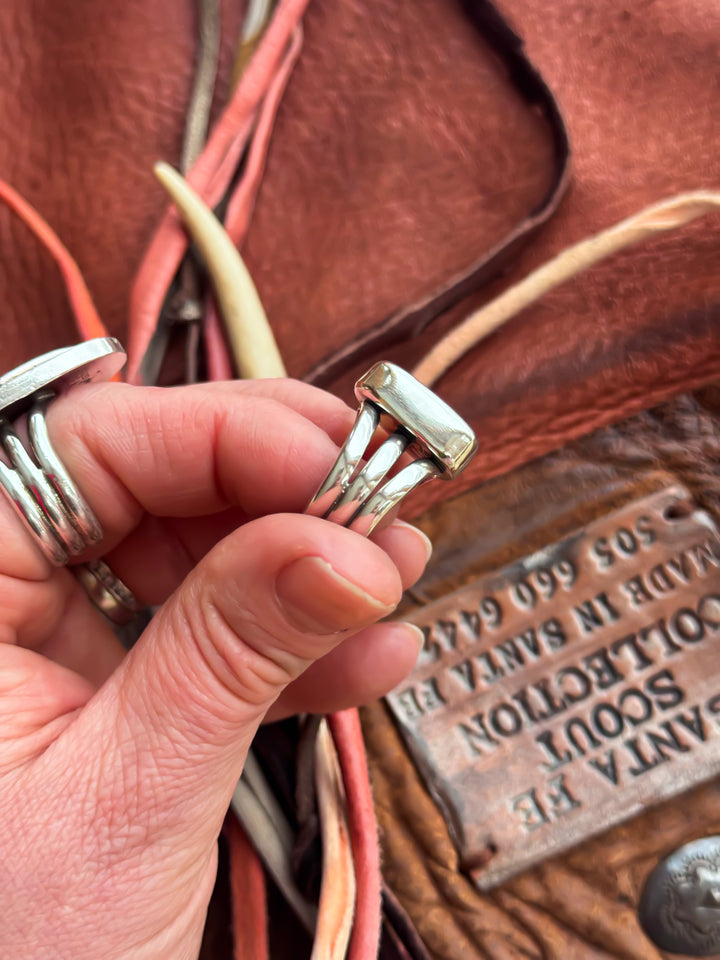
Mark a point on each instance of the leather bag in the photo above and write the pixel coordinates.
(425, 156)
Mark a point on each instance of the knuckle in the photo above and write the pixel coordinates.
(241, 659)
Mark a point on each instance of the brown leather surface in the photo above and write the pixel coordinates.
(402, 154)
(581, 904)
(478, 241)
(389, 171)
(91, 95)
(633, 82)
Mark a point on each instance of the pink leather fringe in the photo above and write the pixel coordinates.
(87, 318)
(242, 202)
(247, 888)
(347, 735)
(209, 177)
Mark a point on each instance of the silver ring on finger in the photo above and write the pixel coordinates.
(107, 592)
(34, 477)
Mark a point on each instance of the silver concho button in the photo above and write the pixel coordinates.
(680, 904)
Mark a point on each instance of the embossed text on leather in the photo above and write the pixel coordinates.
(570, 690)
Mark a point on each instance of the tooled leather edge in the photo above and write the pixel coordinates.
(415, 317)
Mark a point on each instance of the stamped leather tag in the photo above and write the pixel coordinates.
(572, 689)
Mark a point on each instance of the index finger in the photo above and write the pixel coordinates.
(185, 452)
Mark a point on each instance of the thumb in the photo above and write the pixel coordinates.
(181, 711)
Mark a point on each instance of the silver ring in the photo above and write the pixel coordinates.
(84, 519)
(31, 511)
(107, 592)
(37, 482)
(35, 479)
(360, 497)
(342, 471)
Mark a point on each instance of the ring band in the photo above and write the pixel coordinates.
(107, 592)
(34, 478)
(30, 510)
(84, 519)
(360, 497)
(43, 493)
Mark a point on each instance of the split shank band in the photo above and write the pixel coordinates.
(357, 492)
(35, 478)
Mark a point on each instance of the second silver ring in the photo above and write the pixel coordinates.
(42, 491)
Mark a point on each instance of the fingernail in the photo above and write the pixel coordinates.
(420, 536)
(317, 599)
(417, 633)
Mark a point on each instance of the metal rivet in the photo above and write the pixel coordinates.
(680, 904)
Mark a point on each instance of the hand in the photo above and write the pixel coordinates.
(116, 770)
